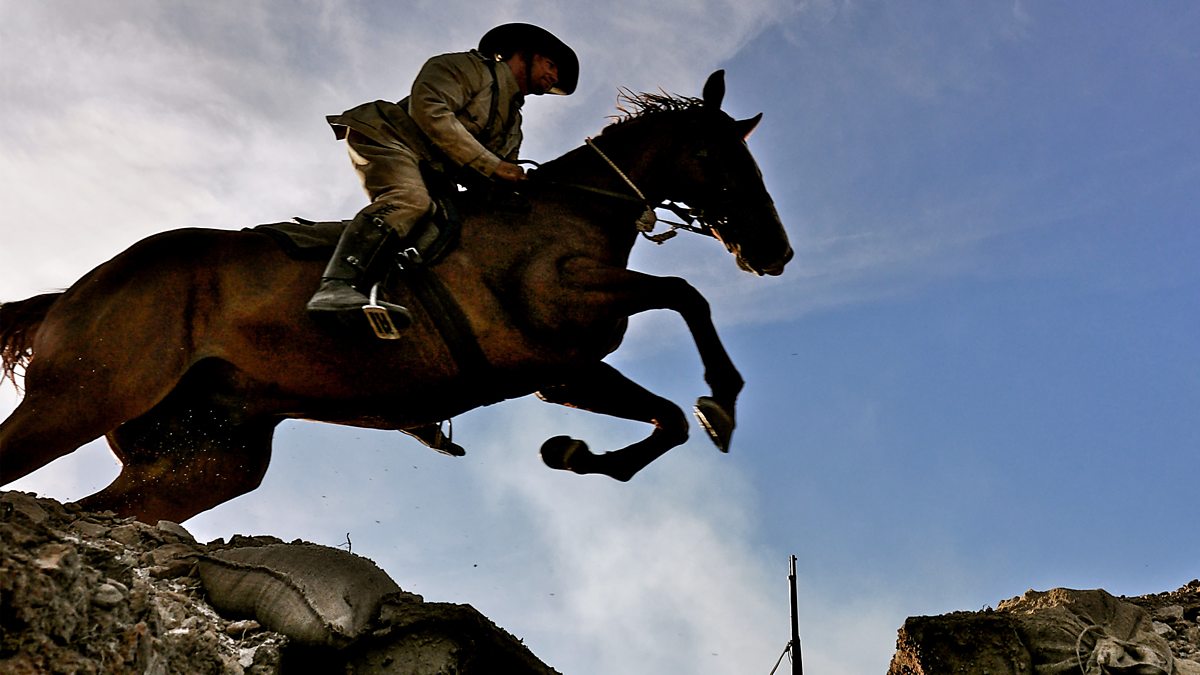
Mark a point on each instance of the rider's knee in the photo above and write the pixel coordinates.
(400, 210)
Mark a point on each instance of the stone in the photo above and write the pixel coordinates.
(237, 628)
(1169, 614)
(130, 534)
(1163, 629)
(55, 556)
(175, 530)
(108, 595)
(24, 504)
(89, 529)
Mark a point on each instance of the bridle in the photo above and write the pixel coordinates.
(697, 221)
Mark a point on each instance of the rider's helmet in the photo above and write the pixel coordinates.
(507, 39)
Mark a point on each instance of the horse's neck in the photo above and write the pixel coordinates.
(634, 159)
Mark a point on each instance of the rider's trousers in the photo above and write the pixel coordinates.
(390, 176)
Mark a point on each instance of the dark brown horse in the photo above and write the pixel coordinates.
(189, 348)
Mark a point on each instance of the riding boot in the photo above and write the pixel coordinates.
(361, 252)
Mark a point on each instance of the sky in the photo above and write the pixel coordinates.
(979, 375)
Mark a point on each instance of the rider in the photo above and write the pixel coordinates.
(464, 112)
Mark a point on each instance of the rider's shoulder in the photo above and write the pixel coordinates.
(472, 61)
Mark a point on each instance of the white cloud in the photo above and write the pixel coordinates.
(664, 566)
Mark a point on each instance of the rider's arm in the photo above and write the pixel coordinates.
(445, 86)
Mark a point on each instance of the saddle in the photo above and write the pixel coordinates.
(304, 239)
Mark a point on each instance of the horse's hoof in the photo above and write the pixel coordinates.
(558, 452)
(716, 420)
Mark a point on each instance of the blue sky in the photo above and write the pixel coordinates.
(979, 375)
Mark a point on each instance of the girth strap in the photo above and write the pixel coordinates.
(449, 319)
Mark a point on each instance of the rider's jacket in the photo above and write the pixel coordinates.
(463, 111)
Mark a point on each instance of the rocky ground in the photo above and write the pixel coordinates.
(1176, 617)
(88, 593)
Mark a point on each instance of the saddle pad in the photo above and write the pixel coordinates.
(305, 239)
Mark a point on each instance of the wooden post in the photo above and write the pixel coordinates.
(797, 665)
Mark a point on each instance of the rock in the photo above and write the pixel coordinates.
(237, 628)
(1163, 629)
(55, 557)
(130, 534)
(175, 530)
(109, 595)
(89, 529)
(1169, 614)
(962, 642)
(23, 504)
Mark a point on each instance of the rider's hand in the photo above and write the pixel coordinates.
(507, 171)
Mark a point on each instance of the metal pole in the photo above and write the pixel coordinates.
(797, 665)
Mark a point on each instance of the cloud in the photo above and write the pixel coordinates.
(665, 566)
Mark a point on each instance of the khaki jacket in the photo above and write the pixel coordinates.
(443, 119)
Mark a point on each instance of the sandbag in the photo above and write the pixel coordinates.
(315, 595)
(1090, 632)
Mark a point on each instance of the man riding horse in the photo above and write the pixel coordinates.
(189, 348)
(463, 115)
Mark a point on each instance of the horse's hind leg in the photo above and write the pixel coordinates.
(30, 439)
(197, 448)
(96, 364)
(602, 389)
(66, 406)
(179, 461)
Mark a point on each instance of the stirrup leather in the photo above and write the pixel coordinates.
(379, 318)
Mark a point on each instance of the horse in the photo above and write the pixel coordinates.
(187, 349)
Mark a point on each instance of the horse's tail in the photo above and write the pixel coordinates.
(19, 323)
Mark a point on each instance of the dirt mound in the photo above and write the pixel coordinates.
(86, 593)
(1059, 631)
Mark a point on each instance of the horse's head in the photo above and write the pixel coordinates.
(708, 166)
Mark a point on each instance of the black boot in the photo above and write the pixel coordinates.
(361, 253)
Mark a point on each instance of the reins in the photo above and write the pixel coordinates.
(649, 219)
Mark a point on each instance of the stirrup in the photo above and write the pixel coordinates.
(379, 317)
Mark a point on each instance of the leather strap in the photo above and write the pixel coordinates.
(449, 320)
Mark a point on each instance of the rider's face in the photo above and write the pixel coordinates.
(543, 74)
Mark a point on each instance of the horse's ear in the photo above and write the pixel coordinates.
(714, 90)
(746, 127)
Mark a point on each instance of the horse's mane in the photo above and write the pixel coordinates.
(633, 106)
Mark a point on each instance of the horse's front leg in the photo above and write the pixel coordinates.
(601, 389)
(627, 292)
